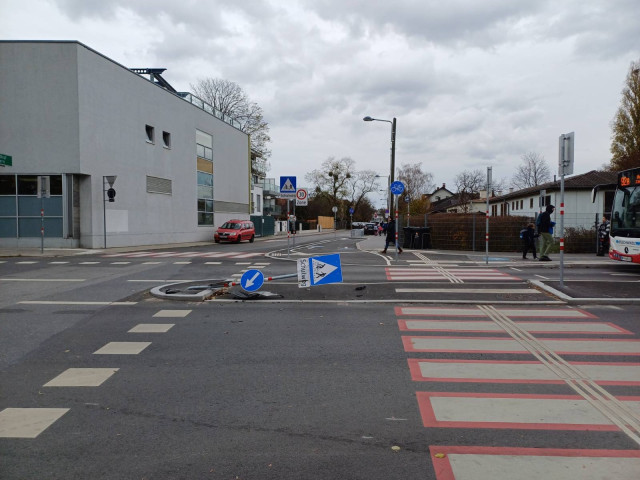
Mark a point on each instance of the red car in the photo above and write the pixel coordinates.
(235, 231)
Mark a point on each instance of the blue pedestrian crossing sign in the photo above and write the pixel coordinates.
(252, 280)
(319, 270)
(288, 185)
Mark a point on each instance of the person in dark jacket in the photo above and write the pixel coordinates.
(603, 236)
(544, 230)
(391, 235)
(528, 236)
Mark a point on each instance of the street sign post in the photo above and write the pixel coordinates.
(302, 198)
(6, 160)
(319, 270)
(288, 187)
(396, 188)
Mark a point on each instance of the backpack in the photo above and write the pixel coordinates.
(522, 232)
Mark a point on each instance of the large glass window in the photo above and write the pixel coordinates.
(20, 207)
(204, 176)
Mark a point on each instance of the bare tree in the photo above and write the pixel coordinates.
(533, 171)
(625, 127)
(229, 98)
(469, 183)
(417, 183)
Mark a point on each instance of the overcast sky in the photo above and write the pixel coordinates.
(472, 83)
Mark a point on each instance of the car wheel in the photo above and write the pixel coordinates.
(251, 239)
(217, 240)
(239, 238)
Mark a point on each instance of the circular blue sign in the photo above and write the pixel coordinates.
(351, 211)
(397, 187)
(252, 280)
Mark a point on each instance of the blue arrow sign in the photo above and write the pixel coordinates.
(252, 280)
(397, 187)
(288, 185)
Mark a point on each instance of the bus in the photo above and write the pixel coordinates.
(625, 218)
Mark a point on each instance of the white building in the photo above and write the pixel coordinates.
(76, 116)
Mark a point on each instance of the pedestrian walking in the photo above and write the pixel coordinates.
(545, 230)
(528, 236)
(603, 237)
(391, 236)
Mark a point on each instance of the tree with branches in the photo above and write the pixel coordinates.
(417, 184)
(230, 99)
(533, 171)
(625, 127)
(468, 183)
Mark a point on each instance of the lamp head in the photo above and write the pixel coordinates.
(368, 119)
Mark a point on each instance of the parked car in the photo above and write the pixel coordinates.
(370, 228)
(235, 231)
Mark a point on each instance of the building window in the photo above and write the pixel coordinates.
(204, 176)
(531, 203)
(20, 209)
(151, 133)
(166, 139)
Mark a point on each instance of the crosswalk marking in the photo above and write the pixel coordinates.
(82, 377)
(515, 463)
(510, 410)
(510, 312)
(27, 422)
(511, 371)
(453, 275)
(122, 348)
(531, 327)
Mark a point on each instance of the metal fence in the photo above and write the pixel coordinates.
(462, 231)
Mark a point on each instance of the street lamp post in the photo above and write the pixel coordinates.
(393, 151)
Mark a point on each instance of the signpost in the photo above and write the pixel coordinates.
(319, 270)
(397, 188)
(6, 160)
(44, 191)
(565, 167)
(302, 198)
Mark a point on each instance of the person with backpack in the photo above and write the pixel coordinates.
(545, 229)
(528, 236)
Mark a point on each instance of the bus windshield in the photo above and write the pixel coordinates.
(625, 215)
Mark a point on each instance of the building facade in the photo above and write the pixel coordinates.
(79, 118)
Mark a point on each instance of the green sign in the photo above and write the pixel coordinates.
(6, 160)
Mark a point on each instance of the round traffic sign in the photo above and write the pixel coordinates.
(397, 187)
(334, 209)
(301, 194)
(252, 280)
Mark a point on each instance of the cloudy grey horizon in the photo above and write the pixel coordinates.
(472, 84)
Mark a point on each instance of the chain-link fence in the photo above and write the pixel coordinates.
(466, 231)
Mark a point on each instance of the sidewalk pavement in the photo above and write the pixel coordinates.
(370, 243)
(374, 243)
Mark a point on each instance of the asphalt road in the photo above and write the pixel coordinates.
(429, 367)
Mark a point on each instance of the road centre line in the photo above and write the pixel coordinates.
(621, 415)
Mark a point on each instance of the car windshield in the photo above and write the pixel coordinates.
(231, 226)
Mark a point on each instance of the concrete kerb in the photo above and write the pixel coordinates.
(190, 291)
(582, 301)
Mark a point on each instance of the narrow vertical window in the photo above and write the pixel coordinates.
(166, 139)
(150, 133)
